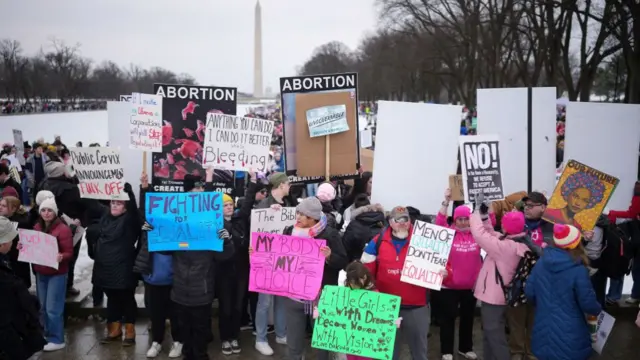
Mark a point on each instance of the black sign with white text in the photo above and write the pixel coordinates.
(480, 159)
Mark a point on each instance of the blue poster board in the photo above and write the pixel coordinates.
(184, 221)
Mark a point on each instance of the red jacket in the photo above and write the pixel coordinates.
(385, 264)
(62, 232)
(631, 213)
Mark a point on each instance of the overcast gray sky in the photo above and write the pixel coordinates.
(210, 39)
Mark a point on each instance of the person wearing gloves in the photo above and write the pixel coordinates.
(456, 296)
(112, 244)
(326, 193)
(560, 289)
(367, 221)
(311, 222)
(384, 256)
(51, 284)
(503, 255)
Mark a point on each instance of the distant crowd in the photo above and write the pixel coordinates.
(17, 107)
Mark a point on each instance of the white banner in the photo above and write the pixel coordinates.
(237, 143)
(145, 123)
(272, 221)
(100, 173)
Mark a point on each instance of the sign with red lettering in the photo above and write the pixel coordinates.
(145, 123)
(237, 143)
(427, 255)
(288, 266)
(100, 173)
(38, 248)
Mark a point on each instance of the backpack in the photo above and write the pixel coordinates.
(617, 252)
(514, 291)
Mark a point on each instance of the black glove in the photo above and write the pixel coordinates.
(481, 206)
(224, 234)
(127, 188)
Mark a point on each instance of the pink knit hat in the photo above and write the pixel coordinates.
(326, 192)
(461, 211)
(513, 223)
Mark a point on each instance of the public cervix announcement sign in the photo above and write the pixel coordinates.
(427, 255)
(100, 173)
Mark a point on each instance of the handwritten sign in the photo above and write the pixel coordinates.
(356, 322)
(480, 167)
(18, 141)
(38, 248)
(327, 120)
(184, 221)
(272, 221)
(145, 123)
(100, 172)
(428, 254)
(457, 189)
(237, 143)
(286, 265)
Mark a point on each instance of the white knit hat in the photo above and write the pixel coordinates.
(42, 195)
(49, 203)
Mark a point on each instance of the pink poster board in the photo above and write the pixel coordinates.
(38, 248)
(288, 266)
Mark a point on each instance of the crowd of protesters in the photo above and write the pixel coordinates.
(20, 107)
(548, 319)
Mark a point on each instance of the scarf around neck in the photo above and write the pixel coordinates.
(313, 231)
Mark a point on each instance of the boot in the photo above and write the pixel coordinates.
(129, 334)
(114, 333)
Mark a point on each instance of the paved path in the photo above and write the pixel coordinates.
(82, 344)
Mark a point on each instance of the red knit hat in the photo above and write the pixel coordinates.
(9, 191)
(566, 236)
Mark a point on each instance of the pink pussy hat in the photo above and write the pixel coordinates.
(326, 192)
(461, 211)
(513, 223)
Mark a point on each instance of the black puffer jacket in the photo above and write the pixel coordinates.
(67, 196)
(113, 240)
(21, 269)
(330, 213)
(367, 222)
(338, 259)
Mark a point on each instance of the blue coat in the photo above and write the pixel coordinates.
(561, 290)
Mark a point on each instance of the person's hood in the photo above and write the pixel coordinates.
(558, 260)
(58, 185)
(369, 214)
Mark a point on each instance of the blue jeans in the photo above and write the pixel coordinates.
(262, 316)
(26, 201)
(311, 189)
(615, 289)
(52, 291)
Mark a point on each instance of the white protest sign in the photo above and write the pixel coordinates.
(327, 120)
(272, 221)
(38, 248)
(480, 167)
(237, 143)
(605, 325)
(428, 254)
(100, 172)
(18, 142)
(366, 138)
(145, 123)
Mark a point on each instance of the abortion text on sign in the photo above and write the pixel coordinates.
(38, 248)
(428, 254)
(100, 173)
(356, 322)
(272, 221)
(184, 221)
(481, 167)
(286, 265)
(145, 124)
(237, 143)
(327, 120)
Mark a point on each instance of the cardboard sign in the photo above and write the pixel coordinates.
(38, 248)
(457, 187)
(272, 221)
(237, 143)
(580, 196)
(428, 254)
(480, 167)
(100, 172)
(327, 120)
(288, 266)
(604, 327)
(185, 110)
(356, 322)
(305, 155)
(145, 123)
(18, 142)
(187, 221)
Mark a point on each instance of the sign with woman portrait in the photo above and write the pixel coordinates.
(580, 196)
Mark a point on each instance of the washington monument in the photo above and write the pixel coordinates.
(257, 53)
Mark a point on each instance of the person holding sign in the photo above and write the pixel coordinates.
(312, 223)
(384, 256)
(52, 283)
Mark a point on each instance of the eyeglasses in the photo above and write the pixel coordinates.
(401, 220)
(531, 206)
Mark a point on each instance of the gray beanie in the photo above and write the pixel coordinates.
(310, 207)
(54, 169)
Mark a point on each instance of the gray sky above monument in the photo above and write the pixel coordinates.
(210, 39)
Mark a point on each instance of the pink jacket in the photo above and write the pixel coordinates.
(501, 254)
(464, 261)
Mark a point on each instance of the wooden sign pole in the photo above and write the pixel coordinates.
(327, 157)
